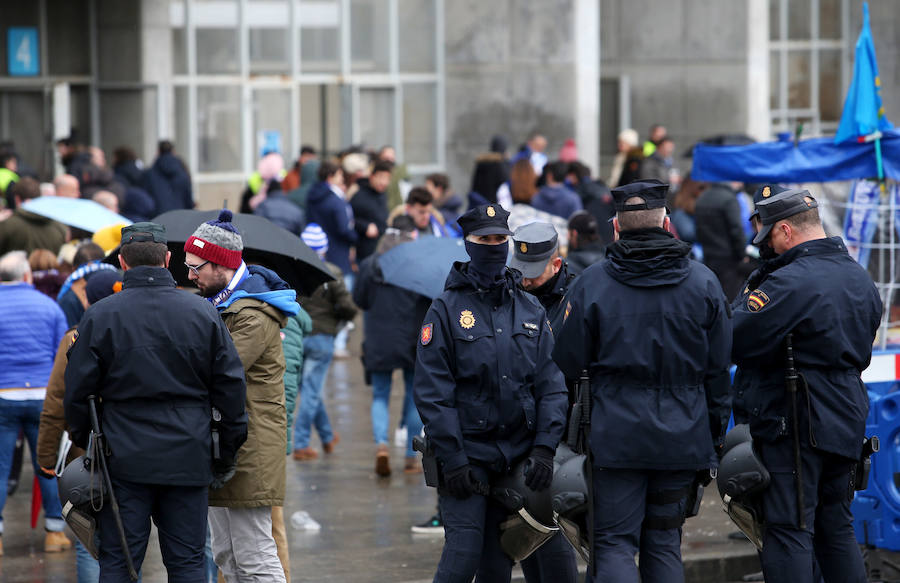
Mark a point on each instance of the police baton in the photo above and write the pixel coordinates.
(790, 378)
(100, 444)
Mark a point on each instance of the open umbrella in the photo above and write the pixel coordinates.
(422, 265)
(264, 243)
(80, 213)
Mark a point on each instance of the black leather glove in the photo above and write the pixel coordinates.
(539, 468)
(222, 472)
(460, 483)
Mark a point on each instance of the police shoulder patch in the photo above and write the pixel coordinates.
(568, 309)
(757, 300)
(427, 334)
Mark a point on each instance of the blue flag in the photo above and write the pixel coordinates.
(863, 111)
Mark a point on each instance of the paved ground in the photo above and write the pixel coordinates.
(365, 534)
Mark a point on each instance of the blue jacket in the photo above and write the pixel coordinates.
(485, 385)
(169, 183)
(817, 292)
(31, 327)
(653, 329)
(557, 200)
(335, 216)
(279, 209)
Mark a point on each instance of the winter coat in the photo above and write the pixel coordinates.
(655, 167)
(330, 304)
(292, 343)
(308, 177)
(369, 206)
(335, 216)
(653, 329)
(138, 205)
(158, 358)
(26, 231)
(254, 315)
(129, 174)
(393, 318)
(53, 416)
(597, 199)
(585, 256)
(491, 170)
(557, 200)
(169, 183)
(31, 325)
(281, 211)
(719, 228)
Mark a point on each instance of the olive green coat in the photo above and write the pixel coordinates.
(259, 479)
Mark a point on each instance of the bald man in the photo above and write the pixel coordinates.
(107, 199)
(67, 186)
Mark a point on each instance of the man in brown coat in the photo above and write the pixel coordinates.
(255, 304)
(26, 231)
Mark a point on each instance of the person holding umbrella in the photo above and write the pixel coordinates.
(255, 304)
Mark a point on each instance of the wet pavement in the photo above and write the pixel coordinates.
(365, 535)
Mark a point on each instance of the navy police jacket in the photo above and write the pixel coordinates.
(485, 385)
(553, 300)
(818, 293)
(158, 358)
(653, 330)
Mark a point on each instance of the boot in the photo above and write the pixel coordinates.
(383, 461)
(56, 542)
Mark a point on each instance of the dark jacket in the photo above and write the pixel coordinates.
(369, 206)
(719, 229)
(559, 200)
(137, 204)
(552, 297)
(654, 331)
(330, 304)
(491, 170)
(655, 167)
(585, 256)
(26, 231)
(393, 318)
(450, 210)
(818, 293)
(335, 216)
(158, 358)
(485, 385)
(169, 183)
(281, 211)
(597, 199)
(129, 174)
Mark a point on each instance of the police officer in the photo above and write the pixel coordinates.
(488, 393)
(545, 275)
(653, 329)
(814, 291)
(158, 359)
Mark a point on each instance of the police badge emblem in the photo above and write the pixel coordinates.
(490, 211)
(523, 248)
(427, 334)
(757, 300)
(767, 192)
(467, 318)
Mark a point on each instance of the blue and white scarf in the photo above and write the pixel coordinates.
(239, 276)
(82, 271)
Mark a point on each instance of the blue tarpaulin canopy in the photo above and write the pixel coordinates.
(813, 160)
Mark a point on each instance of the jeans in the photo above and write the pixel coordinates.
(87, 566)
(317, 352)
(27, 416)
(381, 397)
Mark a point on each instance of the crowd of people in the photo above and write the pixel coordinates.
(599, 280)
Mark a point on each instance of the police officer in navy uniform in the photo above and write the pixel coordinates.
(814, 291)
(653, 330)
(488, 393)
(545, 275)
(158, 359)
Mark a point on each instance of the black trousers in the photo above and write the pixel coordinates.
(179, 513)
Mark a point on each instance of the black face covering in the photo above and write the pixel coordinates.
(488, 262)
(766, 252)
(546, 287)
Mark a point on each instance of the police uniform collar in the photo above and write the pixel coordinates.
(148, 275)
(815, 247)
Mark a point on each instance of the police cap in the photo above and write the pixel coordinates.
(652, 192)
(143, 233)
(487, 219)
(765, 192)
(782, 206)
(533, 245)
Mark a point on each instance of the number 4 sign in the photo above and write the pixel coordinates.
(22, 51)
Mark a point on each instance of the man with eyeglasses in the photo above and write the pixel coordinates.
(255, 304)
(158, 359)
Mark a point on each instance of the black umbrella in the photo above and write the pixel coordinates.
(264, 243)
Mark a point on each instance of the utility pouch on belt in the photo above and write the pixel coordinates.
(429, 461)
(695, 496)
(216, 418)
(864, 464)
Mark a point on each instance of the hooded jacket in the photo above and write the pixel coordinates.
(26, 231)
(254, 315)
(653, 329)
(557, 200)
(369, 206)
(169, 183)
(335, 216)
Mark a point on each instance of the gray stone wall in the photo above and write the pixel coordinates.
(510, 71)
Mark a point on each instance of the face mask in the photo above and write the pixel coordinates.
(766, 252)
(488, 262)
(546, 287)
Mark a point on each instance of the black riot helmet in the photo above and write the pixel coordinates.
(532, 521)
(570, 495)
(81, 494)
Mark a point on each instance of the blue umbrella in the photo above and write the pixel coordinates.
(422, 266)
(80, 213)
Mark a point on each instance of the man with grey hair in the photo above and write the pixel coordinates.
(654, 330)
(67, 186)
(31, 326)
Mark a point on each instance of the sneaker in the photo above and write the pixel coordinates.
(383, 461)
(433, 525)
(329, 447)
(412, 465)
(56, 542)
(305, 454)
(400, 436)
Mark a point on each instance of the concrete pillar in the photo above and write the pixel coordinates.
(586, 26)
(759, 121)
